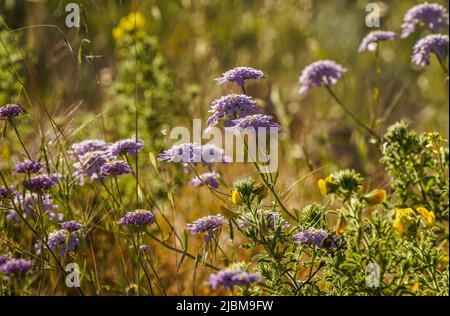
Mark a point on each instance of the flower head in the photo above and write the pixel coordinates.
(432, 15)
(90, 164)
(127, 146)
(404, 220)
(61, 239)
(137, 218)
(229, 278)
(133, 22)
(254, 123)
(29, 166)
(114, 168)
(209, 178)
(90, 145)
(239, 75)
(10, 110)
(323, 185)
(435, 43)
(370, 41)
(209, 224)
(319, 237)
(71, 226)
(3, 259)
(319, 73)
(8, 193)
(16, 266)
(427, 215)
(41, 183)
(375, 197)
(231, 107)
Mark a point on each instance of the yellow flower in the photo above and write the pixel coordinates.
(403, 220)
(427, 215)
(236, 197)
(133, 21)
(415, 287)
(341, 225)
(375, 197)
(323, 184)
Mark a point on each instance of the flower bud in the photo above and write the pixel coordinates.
(375, 197)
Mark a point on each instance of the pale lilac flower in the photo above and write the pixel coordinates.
(114, 168)
(29, 166)
(369, 42)
(432, 15)
(319, 73)
(319, 237)
(10, 110)
(30, 206)
(8, 193)
(90, 164)
(16, 267)
(435, 43)
(209, 224)
(90, 145)
(127, 146)
(41, 183)
(239, 75)
(209, 178)
(255, 123)
(229, 278)
(212, 153)
(55, 217)
(137, 218)
(62, 240)
(71, 226)
(231, 107)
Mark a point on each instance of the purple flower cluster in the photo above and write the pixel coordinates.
(127, 146)
(255, 123)
(369, 42)
(319, 237)
(8, 193)
(137, 218)
(319, 73)
(62, 240)
(30, 204)
(434, 16)
(229, 278)
(239, 75)
(435, 43)
(41, 183)
(29, 166)
(209, 178)
(71, 226)
(114, 168)
(230, 107)
(90, 145)
(10, 110)
(209, 224)
(15, 266)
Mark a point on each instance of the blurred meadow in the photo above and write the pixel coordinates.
(87, 83)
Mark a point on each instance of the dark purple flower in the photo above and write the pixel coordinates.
(370, 41)
(209, 178)
(10, 110)
(90, 164)
(114, 168)
(435, 43)
(239, 75)
(137, 218)
(16, 266)
(3, 259)
(90, 145)
(62, 240)
(319, 237)
(434, 16)
(8, 193)
(41, 183)
(319, 73)
(231, 107)
(209, 224)
(127, 146)
(71, 226)
(255, 123)
(29, 166)
(229, 278)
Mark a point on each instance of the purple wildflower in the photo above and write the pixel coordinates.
(16, 266)
(62, 240)
(229, 278)
(255, 123)
(369, 42)
(231, 107)
(114, 168)
(319, 73)
(90, 145)
(90, 164)
(212, 153)
(144, 248)
(29, 166)
(209, 224)
(319, 237)
(55, 217)
(434, 16)
(8, 193)
(41, 183)
(127, 146)
(71, 226)
(239, 75)
(435, 43)
(10, 110)
(209, 178)
(3, 259)
(30, 206)
(137, 218)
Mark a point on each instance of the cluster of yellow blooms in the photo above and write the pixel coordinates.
(405, 218)
(135, 21)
